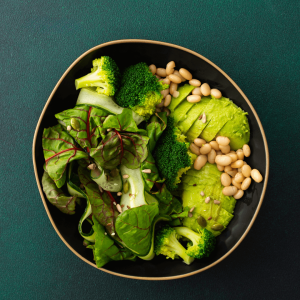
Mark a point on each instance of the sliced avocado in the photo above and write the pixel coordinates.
(109, 180)
(223, 112)
(181, 111)
(184, 91)
(194, 114)
(134, 196)
(237, 129)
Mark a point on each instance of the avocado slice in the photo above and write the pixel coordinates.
(194, 114)
(224, 111)
(184, 91)
(181, 110)
(237, 129)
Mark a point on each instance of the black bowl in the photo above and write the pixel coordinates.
(125, 53)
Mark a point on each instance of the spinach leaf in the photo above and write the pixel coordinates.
(127, 148)
(59, 149)
(149, 178)
(105, 249)
(122, 122)
(57, 197)
(134, 227)
(86, 124)
(168, 204)
(101, 203)
(155, 128)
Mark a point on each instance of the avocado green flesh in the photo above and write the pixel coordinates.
(194, 114)
(184, 91)
(206, 180)
(223, 112)
(196, 130)
(237, 129)
(181, 111)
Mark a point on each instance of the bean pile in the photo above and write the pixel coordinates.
(237, 174)
(173, 77)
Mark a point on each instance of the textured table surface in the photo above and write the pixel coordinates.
(255, 42)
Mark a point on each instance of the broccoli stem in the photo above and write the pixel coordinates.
(88, 80)
(188, 233)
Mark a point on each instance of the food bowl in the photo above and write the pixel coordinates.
(125, 53)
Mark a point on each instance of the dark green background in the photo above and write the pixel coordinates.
(255, 42)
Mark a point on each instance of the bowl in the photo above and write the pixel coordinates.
(125, 53)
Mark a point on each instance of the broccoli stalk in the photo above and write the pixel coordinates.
(140, 90)
(105, 76)
(172, 155)
(203, 243)
(166, 243)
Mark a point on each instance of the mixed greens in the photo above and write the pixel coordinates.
(130, 166)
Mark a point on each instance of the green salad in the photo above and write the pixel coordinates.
(154, 158)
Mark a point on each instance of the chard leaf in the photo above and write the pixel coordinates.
(168, 204)
(122, 122)
(150, 178)
(105, 249)
(127, 148)
(89, 121)
(102, 205)
(59, 149)
(155, 128)
(57, 197)
(134, 228)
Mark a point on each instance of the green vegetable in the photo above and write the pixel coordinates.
(140, 90)
(149, 178)
(117, 148)
(184, 91)
(59, 149)
(134, 227)
(89, 120)
(105, 249)
(172, 156)
(166, 243)
(105, 75)
(102, 207)
(57, 197)
(87, 212)
(203, 242)
(90, 97)
(157, 124)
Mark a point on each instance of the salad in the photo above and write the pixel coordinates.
(156, 159)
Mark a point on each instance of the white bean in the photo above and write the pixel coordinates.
(197, 91)
(225, 149)
(220, 168)
(246, 183)
(200, 162)
(229, 190)
(216, 93)
(225, 179)
(219, 152)
(199, 142)
(195, 149)
(223, 160)
(179, 75)
(195, 82)
(255, 174)
(205, 149)
(233, 156)
(227, 169)
(246, 150)
(161, 72)
(173, 87)
(223, 140)
(237, 164)
(152, 69)
(212, 156)
(174, 78)
(170, 67)
(232, 173)
(165, 80)
(165, 92)
(176, 94)
(205, 89)
(238, 195)
(236, 184)
(167, 101)
(246, 170)
(215, 145)
(240, 154)
(239, 177)
(185, 73)
(193, 98)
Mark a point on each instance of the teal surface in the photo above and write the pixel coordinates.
(255, 42)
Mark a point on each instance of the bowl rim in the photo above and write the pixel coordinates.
(234, 84)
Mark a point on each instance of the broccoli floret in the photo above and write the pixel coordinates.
(166, 243)
(105, 75)
(203, 242)
(172, 155)
(140, 90)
